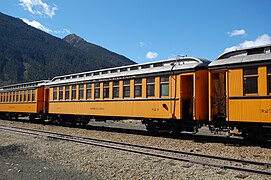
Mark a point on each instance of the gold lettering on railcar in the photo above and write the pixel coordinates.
(155, 109)
(265, 111)
(97, 109)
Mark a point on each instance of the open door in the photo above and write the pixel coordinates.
(218, 96)
(187, 90)
(46, 100)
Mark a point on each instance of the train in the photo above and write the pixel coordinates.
(233, 92)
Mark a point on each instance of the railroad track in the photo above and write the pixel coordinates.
(203, 159)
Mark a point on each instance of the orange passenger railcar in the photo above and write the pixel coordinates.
(240, 91)
(26, 99)
(170, 94)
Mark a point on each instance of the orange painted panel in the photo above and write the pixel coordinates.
(250, 110)
(201, 95)
(19, 107)
(235, 82)
(262, 81)
(144, 108)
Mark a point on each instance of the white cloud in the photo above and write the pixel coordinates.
(39, 26)
(142, 44)
(38, 7)
(237, 32)
(261, 40)
(63, 31)
(151, 55)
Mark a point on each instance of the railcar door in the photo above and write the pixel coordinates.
(218, 96)
(46, 100)
(187, 100)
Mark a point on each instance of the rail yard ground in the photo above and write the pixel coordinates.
(32, 157)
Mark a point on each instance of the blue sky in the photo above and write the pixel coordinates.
(151, 30)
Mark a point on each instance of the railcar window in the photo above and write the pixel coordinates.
(6, 97)
(17, 96)
(269, 79)
(97, 90)
(150, 87)
(81, 91)
(10, 96)
(74, 92)
(89, 91)
(116, 89)
(164, 86)
(60, 93)
(29, 95)
(67, 92)
(0, 97)
(138, 87)
(106, 89)
(21, 96)
(55, 93)
(126, 88)
(25, 95)
(33, 95)
(250, 77)
(14, 96)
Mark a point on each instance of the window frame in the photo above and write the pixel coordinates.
(33, 95)
(89, 91)
(116, 89)
(97, 90)
(138, 84)
(21, 96)
(54, 93)
(29, 95)
(164, 83)
(25, 95)
(150, 92)
(248, 75)
(74, 92)
(269, 80)
(106, 90)
(127, 88)
(67, 92)
(60, 93)
(81, 91)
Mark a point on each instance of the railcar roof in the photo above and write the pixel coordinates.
(183, 63)
(243, 56)
(24, 85)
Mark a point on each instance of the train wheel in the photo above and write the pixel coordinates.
(150, 128)
(254, 134)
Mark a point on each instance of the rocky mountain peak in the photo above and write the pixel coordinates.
(73, 39)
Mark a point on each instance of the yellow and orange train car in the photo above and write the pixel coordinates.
(165, 94)
(240, 91)
(25, 99)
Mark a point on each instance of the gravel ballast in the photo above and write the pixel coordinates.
(29, 157)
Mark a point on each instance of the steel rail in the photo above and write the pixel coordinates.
(244, 161)
(88, 141)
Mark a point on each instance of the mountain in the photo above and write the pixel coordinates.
(29, 54)
(97, 52)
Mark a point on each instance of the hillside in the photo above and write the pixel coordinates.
(98, 52)
(28, 54)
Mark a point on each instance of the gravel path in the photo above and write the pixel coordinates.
(27, 157)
